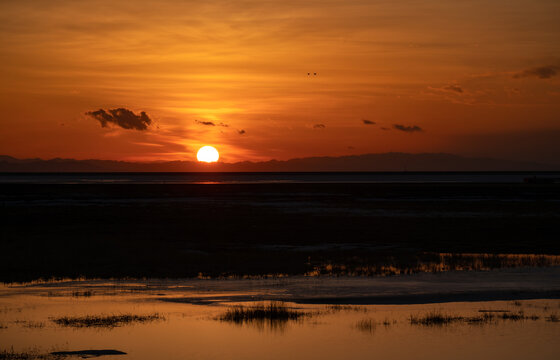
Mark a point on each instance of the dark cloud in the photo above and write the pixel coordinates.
(121, 117)
(454, 87)
(319, 126)
(210, 123)
(405, 128)
(541, 72)
(385, 128)
(241, 132)
(207, 123)
(368, 122)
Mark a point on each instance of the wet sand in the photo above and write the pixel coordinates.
(425, 288)
(178, 231)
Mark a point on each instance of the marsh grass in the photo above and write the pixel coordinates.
(429, 262)
(553, 318)
(28, 355)
(366, 325)
(271, 312)
(480, 319)
(518, 316)
(436, 318)
(31, 324)
(88, 353)
(86, 293)
(388, 322)
(337, 308)
(107, 321)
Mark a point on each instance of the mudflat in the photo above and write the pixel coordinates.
(187, 230)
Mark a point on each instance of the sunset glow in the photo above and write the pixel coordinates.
(276, 179)
(475, 78)
(207, 154)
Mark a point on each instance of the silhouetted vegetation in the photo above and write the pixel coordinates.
(28, 355)
(338, 307)
(388, 322)
(273, 311)
(438, 318)
(434, 318)
(30, 324)
(108, 321)
(88, 353)
(366, 325)
(434, 263)
(517, 316)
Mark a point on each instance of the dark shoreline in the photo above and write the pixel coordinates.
(273, 177)
(178, 230)
(421, 299)
(425, 288)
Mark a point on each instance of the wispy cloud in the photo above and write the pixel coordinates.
(121, 117)
(450, 88)
(405, 128)
(210, 123)
(319, 126)
(454, 87)
(207, 123)
(541, 72)
(456, 93)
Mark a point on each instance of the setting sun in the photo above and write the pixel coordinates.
(207, 154)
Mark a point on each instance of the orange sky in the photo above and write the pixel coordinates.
(478, 77)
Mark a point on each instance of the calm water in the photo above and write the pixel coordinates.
(193, 331)
(247, 178)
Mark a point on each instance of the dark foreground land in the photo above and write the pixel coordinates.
(152, 230)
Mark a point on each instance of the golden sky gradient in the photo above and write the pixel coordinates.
(477, 77)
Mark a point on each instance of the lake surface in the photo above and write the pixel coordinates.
(274, 177)
(190, 328)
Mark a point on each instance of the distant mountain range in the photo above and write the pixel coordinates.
(366, 162)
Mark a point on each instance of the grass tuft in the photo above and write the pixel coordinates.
(337, 308)
(273, 311)
(109, 321)
(437, 318)
(30, 355)
(366, 325)
(481, 319)
(434, 318)
(517, 316)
